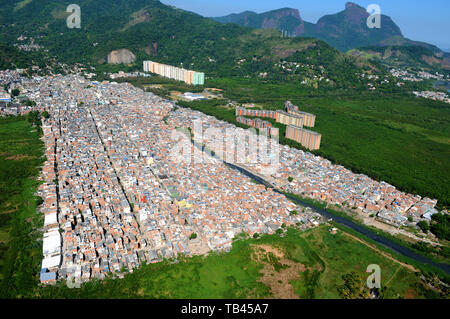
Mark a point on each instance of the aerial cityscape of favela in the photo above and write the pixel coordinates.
(209, 150)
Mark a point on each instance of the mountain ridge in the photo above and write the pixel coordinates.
(345, 30)
(151, 30)
(405, 57)
(287, 20)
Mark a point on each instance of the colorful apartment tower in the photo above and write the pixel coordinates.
(171, 72)
(240, 111)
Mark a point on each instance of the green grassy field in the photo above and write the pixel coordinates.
(438, 254)
(21, 153)
(342, 255)
(238, 274)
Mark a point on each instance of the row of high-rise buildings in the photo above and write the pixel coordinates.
(308, 118)
(241, 111)
(289, 119)
(172, 72)
(309, 139)
(259, 124)
(293, 118)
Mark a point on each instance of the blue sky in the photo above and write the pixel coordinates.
(427, 21)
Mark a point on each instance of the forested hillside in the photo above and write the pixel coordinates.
(348, 30)
(413, 56)
(11, 58)
(152, 30)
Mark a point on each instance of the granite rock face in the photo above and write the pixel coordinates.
(122, 56)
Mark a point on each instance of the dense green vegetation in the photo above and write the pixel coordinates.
(424, 226)
(347, 30)
(11, 58)
(440, 226)
(183, 39)
(21, 153)
(351, 287)
(154, 31)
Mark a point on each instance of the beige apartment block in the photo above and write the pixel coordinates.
(289, 119)
(309, 139)
(308, 118)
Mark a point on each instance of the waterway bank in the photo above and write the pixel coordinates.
(347, 222)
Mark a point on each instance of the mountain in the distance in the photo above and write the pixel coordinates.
(344, 30)
(136, 30)
(287, 20)
(406, 56)
(348, 29)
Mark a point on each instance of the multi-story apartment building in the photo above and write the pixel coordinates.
(308, 118)
(306, 138)
(240, 111)
(289, 119)
(264, 126)
(292, 118)
(171, 72)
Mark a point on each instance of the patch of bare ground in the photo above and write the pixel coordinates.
(406, 235)
(278, 271)
(140, 292)
(284, 53)
(10, 208)
(20, 157)
(9, 211)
